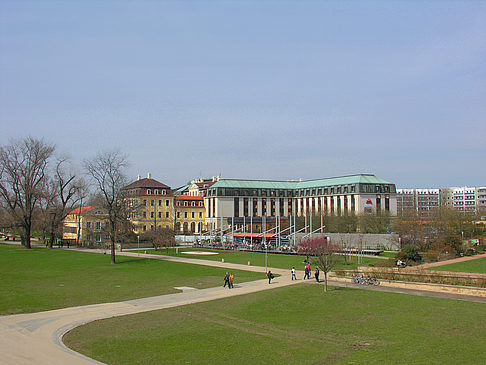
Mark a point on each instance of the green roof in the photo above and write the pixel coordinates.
(254, 184)
(269, 184)
(182, 188)
(343, 180)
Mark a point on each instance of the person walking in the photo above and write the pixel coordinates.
(316, 274)
(293, 273)
(231, 277)
(269, 276)
(306, 272)
(226, 281)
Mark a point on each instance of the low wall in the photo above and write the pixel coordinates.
(418, 276)
(443, 288)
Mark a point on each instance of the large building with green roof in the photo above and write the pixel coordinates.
(354, 194)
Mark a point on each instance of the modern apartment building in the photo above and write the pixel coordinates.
(422, 201)
(254, 199)
(469, 199)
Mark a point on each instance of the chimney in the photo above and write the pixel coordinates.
(149, 175)
(139, 177)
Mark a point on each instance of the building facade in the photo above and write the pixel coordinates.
(190, 214)
(356, 194)
(150, 205)
(421, 201)
(424, 201)
(86, 226)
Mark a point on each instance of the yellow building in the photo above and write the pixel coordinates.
(150, 205)
(86, 226)
(190, 214)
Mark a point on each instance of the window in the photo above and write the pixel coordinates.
(178, 214)
(160, 203)
(193, 204)
(185, 214)
(144, 214)
(98, 226)
(166, 214)
(152, 203)
(160, 214)
(186, 204)
(156, 192)
(164, 192)
(144, 203)
(193, 215)
(144, 228)
(167, 202)
(149, 192)
(200, 214)
(88, 225)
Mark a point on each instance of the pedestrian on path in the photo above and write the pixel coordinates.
(269, 276)
(316, 274)
(231, 277)
(306, 273)
(226, 281)
(293, 273)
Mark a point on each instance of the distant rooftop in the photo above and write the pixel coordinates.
(276, 184)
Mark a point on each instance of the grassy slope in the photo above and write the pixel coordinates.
(258, 258)
(42, 279)
(294, 325)
(473, 266)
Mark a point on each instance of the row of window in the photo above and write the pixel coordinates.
(152, 214)
(339, 189)
(193, 215)
(156, 192)
(193, 204)
(152, 202)
(96, 225)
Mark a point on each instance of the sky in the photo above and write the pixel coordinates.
(273, 90)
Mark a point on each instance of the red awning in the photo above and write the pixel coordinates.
(248, 235)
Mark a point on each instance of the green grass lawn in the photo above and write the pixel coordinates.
(280, 261)
(294, 325)
(473, 266)
(42, 279)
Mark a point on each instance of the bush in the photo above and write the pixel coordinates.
(409, 253)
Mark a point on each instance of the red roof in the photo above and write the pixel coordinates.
(82, 210)
(146, 183)
(187, 197)
(205, 184)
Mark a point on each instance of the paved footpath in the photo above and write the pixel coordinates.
(453, 261)
(35, 338)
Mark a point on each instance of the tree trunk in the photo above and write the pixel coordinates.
(325, 281)
(112, 248)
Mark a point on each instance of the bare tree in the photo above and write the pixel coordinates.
(65, 192)
(106, 172)
(323, 253)
(23, 178)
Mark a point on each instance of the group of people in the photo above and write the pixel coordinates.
(228, 280)
(307, 272)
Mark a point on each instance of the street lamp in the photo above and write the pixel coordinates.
(138, 242)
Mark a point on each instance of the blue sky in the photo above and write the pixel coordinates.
(253, 89)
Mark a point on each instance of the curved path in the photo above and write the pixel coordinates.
(452, 261)
(36, 338)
